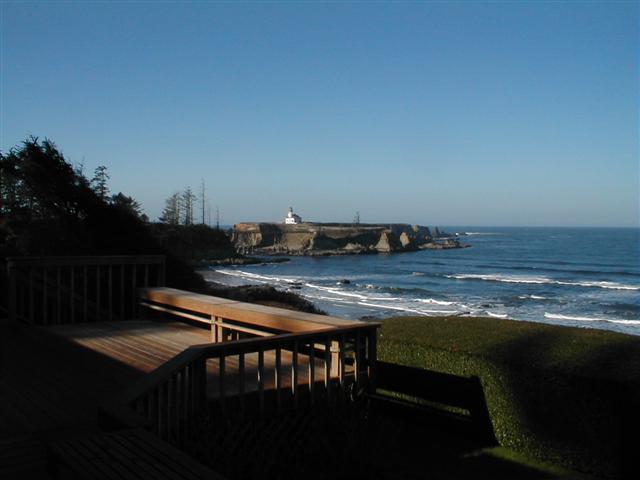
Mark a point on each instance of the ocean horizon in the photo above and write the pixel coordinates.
(585, 277)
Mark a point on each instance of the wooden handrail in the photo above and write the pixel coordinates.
(234, 317)
(282, 319)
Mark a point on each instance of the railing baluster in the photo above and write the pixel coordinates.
(241, 380)
(155, 411)
(312, 372)
(164, 396)
(201, 399)
(173, 409)
(341, 365)
(219, 330)
(356, 362)
(191, 396)
(278, 374)
(294, 374)
(221, 375)
(182, 415)
(261, 380)
(372, 341)
(327, 367)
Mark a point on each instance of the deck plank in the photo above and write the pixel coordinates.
(131, 454)
(53, 378)
(145, 345)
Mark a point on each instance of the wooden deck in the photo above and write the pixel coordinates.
(70, 363)
(145, 345)
(49, 390)
(130, 454)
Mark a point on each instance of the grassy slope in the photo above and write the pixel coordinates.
(559, 394)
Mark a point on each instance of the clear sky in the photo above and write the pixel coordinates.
(462, 113)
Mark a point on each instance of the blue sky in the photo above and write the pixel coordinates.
(458, 113)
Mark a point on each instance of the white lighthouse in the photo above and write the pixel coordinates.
(292, 218)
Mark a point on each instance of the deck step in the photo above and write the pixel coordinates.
(134, 454)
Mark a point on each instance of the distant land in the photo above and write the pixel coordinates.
(313, 238)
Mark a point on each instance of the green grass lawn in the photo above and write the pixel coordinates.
(558, 394)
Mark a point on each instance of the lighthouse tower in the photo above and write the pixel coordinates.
(292, 218)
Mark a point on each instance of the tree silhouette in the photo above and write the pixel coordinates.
(100, 182)
(188, 201)
(171, 212)
(128, 204)
(47, 207)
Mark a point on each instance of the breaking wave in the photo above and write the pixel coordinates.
(555, 316)
(542, 281)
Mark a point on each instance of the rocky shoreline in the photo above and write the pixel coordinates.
(237, 260)
(323, 239)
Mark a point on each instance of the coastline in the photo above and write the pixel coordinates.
(573, 277)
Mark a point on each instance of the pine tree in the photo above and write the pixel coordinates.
(129, 204)
(100, 182)
(188, 200)
(172, 208)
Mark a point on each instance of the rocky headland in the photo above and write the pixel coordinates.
(311, 238)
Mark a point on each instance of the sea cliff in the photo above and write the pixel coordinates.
(312, 238)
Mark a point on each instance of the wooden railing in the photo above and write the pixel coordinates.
(231, 320)
(194, 388)
(54, 290)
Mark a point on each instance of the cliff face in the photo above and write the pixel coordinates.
(329, 238)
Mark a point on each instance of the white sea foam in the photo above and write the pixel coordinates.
(255, 276)
(542, 281)
(405, 308)
(434, 301)
(532, 297)
(337, 291)
(625, 322)
(555, 316)
(497, 315)
(482, 233)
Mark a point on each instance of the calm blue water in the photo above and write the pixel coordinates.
(583, 277)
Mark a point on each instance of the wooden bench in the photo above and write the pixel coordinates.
(128, 454)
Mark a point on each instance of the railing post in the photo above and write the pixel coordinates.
(200, 388)
(372, 355)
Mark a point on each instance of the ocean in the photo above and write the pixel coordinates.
(582, 277)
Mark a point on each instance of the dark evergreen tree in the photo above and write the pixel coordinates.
(100, 182)
(171, 212)
(128, 204)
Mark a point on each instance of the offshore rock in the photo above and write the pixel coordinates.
(332, 238)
